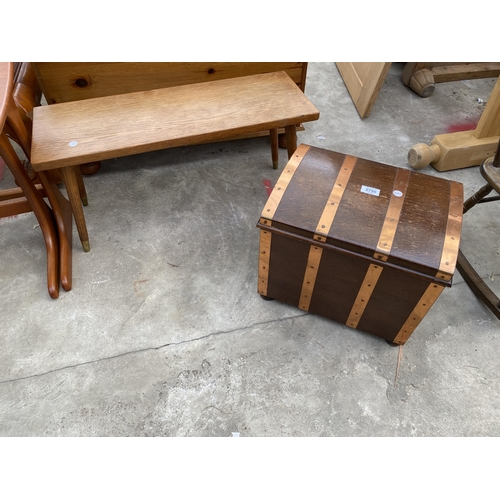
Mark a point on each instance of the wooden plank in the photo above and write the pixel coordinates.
(422, 76)
(96, 129)
(71, 81)
(363, 81)
(452, 71)
(465, 71)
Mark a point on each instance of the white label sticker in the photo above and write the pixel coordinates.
(370, 190)
(397, 193)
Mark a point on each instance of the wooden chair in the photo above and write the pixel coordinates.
(55, 220)
(490, 170)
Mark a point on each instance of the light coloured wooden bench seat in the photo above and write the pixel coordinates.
(68, 134)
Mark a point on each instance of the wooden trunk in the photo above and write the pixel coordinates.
(365, 244)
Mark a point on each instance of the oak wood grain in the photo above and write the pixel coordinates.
(138, 122)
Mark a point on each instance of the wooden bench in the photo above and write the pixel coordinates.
(68, 134)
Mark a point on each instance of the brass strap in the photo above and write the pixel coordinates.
(332, 205)
(364, 294)
(453, 230)
(268, 213)
(424, 304)
(392, 215)
(384, 246)
(323, 228)
(282, 183)
(312, 267)
(264, 256)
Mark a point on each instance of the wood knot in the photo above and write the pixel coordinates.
(81, 82)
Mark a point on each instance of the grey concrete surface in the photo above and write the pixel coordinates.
(164, 333)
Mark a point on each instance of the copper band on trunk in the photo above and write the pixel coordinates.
(283, 181)
(364, 294)
(310, 274)
(268, 213)
(453, 230)
(424, 304)
(392, 215)
(332, 205)
(264, 256)
(323, 228)
(384, 246)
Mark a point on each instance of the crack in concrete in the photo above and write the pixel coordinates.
(157, 348)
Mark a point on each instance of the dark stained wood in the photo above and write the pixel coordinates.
(357, 225)
(335, 289)
(362, 237)
(408, 279)
(393, 300)
(288, 261)
(301, 212)
(422, 226)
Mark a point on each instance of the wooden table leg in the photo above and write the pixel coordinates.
(70, 179)
(274, 147)
(291, 139)
(42, 212)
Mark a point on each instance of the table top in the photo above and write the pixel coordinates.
(6, 85)
(96, 129)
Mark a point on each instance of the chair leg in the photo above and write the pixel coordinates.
(477, 284)
(477, 197)
(42, 212)
(471, 277)
(64, 220)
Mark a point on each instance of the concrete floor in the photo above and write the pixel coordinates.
(164, 333)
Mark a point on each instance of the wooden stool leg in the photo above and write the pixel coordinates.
(42, 212)
(274, 147)
(477, 197)
(70, 179)
(291, 139)
(81, 186)
(477, 284)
